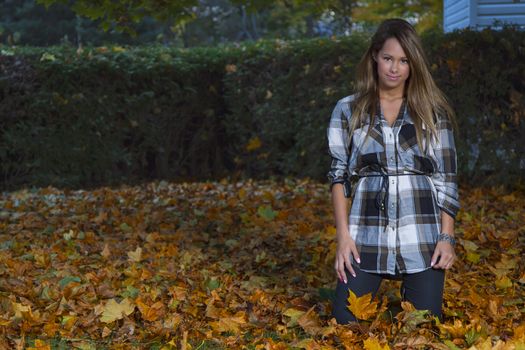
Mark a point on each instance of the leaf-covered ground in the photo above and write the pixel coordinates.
(235, 265)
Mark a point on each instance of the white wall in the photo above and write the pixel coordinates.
(478, 14)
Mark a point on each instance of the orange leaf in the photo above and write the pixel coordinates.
(40, 345)
(362, 307)
(519, 332)
(373, 344)
(150, 313)
(231, 323)
(309, 321)
(457, 330)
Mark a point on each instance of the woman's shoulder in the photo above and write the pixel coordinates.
(344, 104)
(347, 99)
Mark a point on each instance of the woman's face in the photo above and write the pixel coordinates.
(392, 65)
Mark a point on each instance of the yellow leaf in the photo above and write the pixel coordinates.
(506, 263)
(373, 344)
(118, 49)
(47, 57)
(253, 144)
(503, 283)
(469, 245)
(456, 331)
(68, 321)
(308, 344)
(135, 256)
(21, 311)
(113, 311)
(40, 345)
(362, 307)
(294, 314)
(519, 332)
(473, 257)
(231, 68)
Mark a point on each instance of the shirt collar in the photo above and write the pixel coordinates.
(405, 117)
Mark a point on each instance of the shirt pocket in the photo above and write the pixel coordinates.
(410, 153)
(407, 138)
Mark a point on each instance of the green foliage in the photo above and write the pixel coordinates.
(126, 13)
(429, 13)
(24, 22)
(108, 115)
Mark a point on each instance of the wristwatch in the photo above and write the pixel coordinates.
(448, 238)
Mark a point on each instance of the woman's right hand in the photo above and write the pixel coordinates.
(345, 246)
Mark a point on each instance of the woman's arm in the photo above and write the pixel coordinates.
(339, 148)
(445, 181)
(447, 223)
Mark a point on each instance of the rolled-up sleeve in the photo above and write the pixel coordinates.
(338, 145)
(445, 175)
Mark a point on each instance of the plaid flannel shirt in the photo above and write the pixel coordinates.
(401, 236)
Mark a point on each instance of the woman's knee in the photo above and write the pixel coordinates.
(362, 284)
(425, 290)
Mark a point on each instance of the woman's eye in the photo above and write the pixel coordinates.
(386, 58)
(404, 61)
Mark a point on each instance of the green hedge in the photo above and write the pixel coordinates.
(109, 115)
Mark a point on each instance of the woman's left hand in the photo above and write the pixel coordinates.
(446, 255)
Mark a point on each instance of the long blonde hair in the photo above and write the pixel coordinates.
(425, 100)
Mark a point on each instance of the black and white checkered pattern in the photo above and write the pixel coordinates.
(406, 237)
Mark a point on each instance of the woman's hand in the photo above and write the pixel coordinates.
(445, 253)
(345, 246)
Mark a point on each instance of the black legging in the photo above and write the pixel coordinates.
(423, 289)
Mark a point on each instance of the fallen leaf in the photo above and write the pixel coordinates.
(135, 256)
(113, 310)
(309, 321)
(362, 307)
(373, 344)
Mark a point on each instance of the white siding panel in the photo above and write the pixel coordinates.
(464, 23)
(497, 2)
(458, 17)
(458, 6)
(461, 24)
(481, 13)
(455, 14)
(496, 10)
(489, 20)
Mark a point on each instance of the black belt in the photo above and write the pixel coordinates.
(382, 194)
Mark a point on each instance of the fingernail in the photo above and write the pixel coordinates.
(358, 261)
(345, 281)
(431, 263)
(353, 274)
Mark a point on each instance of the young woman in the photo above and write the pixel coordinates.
(393, 152)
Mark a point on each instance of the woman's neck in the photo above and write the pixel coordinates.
(391, 95)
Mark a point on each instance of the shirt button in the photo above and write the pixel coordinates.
(391, 158)
(393, 181)
(392, 205)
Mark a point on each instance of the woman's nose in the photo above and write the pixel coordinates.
(393, 67)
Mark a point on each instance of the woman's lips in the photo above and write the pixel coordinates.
(392, 77)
